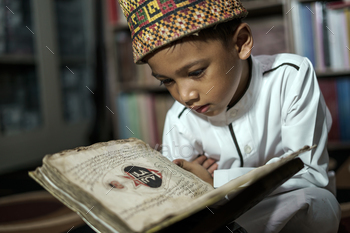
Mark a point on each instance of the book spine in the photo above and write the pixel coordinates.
(153, 119)
(318, 32)
(329, 91)
(343, 89)
(296, 27)
(2, 27)
(134, 116)
(307, 32)
(334, 57)
(144, 126)
(161, 110)
(326, 32)
(347, 13)
(112, 11)
(344, 38)
(121, 116)
(338, 4)
(149, 114)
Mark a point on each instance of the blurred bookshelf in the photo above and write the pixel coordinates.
(26, 59)
(321, 32)
(137, 99)
(46, 62)
(277, 28)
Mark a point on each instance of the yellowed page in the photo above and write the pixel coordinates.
(130, 179)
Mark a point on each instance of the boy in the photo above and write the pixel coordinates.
(235, 110)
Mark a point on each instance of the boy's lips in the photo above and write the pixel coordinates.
(202, 108)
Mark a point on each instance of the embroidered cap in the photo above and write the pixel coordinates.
(155, 23)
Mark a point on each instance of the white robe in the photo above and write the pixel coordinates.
(281, 111)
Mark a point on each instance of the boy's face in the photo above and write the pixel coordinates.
(202, 75)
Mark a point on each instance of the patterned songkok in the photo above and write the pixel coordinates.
(155, 23)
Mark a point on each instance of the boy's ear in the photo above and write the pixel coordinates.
(243, 41)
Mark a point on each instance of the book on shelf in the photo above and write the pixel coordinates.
(72, 28)
(160, 112)
(115, 13)
(269, 35)
(135, 116)
(329, 90)
(145, 77)
(145, 126)
(343, 90)
(317, 22)
(322, 33)
(306, 28)
(325, 36)
(112, 11)
(152, 119)
(127, 70)
(20, 108)
(142, 115)
(16, 18)
(336, 92)
(123, 115)
(125, 186)
(131, 75)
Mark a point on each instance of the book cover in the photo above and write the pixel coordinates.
(125, 186)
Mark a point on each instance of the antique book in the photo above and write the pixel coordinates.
(126, 186)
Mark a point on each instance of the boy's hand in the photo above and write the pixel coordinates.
(202, 167)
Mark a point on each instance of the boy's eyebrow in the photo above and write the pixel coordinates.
(185, 67)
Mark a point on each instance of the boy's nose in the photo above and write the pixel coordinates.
(188, 94)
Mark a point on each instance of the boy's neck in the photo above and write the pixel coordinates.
(244, 84)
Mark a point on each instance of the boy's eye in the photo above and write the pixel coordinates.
(166, 81)
(196, 73)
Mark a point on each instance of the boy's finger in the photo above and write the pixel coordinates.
(178, 162)
(207, 163)
(200, 159)
(213, 168)
(183, 163)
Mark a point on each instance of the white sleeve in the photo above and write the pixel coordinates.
(305, 121)
(178, 142)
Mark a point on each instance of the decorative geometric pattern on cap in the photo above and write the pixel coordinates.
(155, 23)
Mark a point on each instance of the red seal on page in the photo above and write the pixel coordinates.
(143, 176)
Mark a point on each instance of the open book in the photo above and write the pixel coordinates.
(126, 186)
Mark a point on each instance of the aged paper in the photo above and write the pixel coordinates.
(132, 180)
